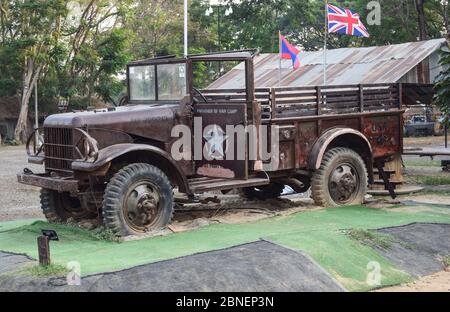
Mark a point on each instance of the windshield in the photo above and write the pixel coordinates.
(162, 82)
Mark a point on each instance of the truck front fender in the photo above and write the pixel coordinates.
(110, 153)
(342, 137)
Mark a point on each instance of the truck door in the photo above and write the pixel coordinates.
(218, 130)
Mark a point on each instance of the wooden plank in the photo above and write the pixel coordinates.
(337, 99)
(206, 91)
(296, 95)
(341, 116)
(318, 101)
(361, 99)
(282, 89)
(296, 102)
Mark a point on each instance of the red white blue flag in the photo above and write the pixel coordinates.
(345, 22)
(289, 52)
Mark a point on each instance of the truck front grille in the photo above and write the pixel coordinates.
(58, 149)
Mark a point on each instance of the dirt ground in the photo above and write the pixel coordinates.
(439, 282)
(17, 201)
(434, 141)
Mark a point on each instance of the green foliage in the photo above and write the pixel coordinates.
(106, 234)
(442, 87)
(370, 238)
(11, 142)
(46, 270)
(446, 261)
(421, 163)
(10, 69)
(434, 180)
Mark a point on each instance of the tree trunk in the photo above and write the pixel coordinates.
(423, 33)
(423, 68)
(31, 76)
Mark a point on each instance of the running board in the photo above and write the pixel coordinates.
(200, 185)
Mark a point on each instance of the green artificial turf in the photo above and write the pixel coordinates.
(318, 233)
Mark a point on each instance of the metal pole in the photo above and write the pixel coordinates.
(446, 134)
(279, 60)
(36, 114)
(185, 28)
(218, 35)
(325, 45)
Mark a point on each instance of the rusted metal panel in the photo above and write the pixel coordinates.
(147, 121)
(383, 134)
(220, 116)
(322, 143)
(352, 123)
(287, 155)
(307, 135)
(47, 182)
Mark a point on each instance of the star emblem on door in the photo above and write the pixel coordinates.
(215, 138)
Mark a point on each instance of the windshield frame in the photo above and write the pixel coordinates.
(155, 63)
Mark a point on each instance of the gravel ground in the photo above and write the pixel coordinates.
(17, 201)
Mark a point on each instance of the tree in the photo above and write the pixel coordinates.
(157, 27)
(28, 29)
(96, 49)
(423, 34)
(442, 87)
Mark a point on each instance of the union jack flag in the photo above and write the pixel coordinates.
(345, 22)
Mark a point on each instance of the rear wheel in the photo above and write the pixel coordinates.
(341, 179)
(60, 207)
(137, 199)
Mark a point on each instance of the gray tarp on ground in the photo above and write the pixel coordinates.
(260, 266)
(12, 262)
(420, 247)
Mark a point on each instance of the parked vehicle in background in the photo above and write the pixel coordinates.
(419, 126)
(119, 164)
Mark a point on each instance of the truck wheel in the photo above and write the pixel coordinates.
(60, 207)
(270, 191)
(341, 179)
(137, 199)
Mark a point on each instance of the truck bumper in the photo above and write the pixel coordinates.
(47, 182)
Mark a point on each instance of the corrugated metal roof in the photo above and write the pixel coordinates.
(383, 64)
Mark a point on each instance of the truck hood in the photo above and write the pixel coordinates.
(148, 121)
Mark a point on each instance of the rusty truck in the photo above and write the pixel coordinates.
(117, 164)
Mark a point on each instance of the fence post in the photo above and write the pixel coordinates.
(361, 98)
(319, 100)
(273, 102)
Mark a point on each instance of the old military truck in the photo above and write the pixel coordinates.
(118, 165)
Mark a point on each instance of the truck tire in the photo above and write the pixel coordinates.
(340, 180)
(270, 191)
(60, 207)
(137, 199)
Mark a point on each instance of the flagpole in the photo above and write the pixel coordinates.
(279, 59)
(325, 45)
(185, 28)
